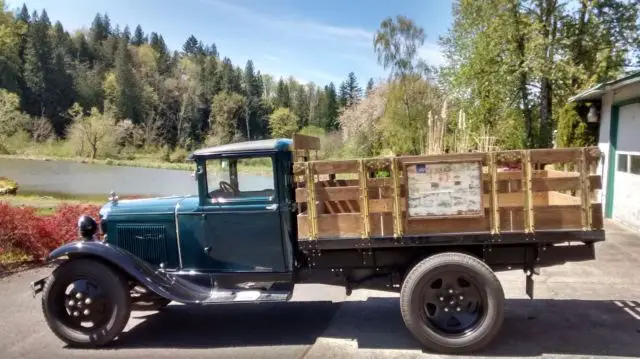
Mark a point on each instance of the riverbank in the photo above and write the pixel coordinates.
(46, 205)
(109, 162)
(139, 162)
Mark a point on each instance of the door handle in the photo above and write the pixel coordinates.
(272, 206)
(207, 250)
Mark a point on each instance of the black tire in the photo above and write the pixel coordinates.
(424, 318)
(111, 307)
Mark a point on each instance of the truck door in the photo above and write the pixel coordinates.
(242, 229)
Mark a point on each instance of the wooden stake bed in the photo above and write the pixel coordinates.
(496, 194)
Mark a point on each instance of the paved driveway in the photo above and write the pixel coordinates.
(587, 309)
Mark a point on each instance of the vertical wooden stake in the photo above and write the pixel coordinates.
(528, 193)
(364, 200)
(495, 208)
(397, 213)
(311, 202)
(585, 191)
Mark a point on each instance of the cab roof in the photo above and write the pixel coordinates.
(246, 147)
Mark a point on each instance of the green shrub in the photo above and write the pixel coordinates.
(312, 130)
(3, 148)
(179, 155)
(572, 130)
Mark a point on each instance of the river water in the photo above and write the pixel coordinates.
(73, 179)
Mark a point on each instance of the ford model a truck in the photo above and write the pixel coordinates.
(433, 228)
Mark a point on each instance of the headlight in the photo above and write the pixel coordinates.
(87, 227)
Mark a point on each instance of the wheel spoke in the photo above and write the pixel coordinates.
(450, 281)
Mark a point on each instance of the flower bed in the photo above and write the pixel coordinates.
(8, 186)
(22, 230)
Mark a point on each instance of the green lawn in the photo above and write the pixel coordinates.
(45, 204)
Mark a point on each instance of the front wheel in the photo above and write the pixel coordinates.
(86, 303)
(452, 303)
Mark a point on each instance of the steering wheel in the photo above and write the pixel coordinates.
(227, 187)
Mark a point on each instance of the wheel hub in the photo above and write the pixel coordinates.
(83, 302)
(452, 304)
(452, 300)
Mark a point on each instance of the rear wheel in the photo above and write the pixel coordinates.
(86, 303)
(452, 303)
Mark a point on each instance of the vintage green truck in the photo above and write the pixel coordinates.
(435, 229)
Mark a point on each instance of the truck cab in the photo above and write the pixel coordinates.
(237, 227)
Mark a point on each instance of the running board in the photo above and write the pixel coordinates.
(184, 289)
(221, 296)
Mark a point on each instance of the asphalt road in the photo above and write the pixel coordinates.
(582, 310)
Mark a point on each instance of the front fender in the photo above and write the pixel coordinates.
(162, 283)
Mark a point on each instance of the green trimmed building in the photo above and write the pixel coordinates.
(615, 107)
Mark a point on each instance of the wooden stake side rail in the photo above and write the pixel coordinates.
(520, 194)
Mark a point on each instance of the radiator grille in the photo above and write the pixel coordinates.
(144, 241)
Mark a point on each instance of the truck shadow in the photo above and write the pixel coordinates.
(531, 328)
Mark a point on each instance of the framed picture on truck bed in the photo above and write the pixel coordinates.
(443, 189)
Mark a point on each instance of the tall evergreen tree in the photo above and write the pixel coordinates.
(252, 95)
(301, 105)
(343, 96)
(190, 46)
(98, 31)
(160, 47)
(106, 22)
(61, 41)
(139, 37)
(83, 50)
(259, 91)
(23, 15)
(332, 107)
(127, 100)
(369, 86)
(37, 66)
(353, 90)
(283, 98)
(126, 34)
(211, 50)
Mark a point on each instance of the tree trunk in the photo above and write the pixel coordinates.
(523, 80)
(579, 41)
(546, 103)
(549, 23)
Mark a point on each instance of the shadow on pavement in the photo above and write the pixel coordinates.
(531, 328)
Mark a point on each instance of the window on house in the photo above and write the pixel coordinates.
(623, 160)
(634, 164)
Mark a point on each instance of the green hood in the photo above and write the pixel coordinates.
(142, 206)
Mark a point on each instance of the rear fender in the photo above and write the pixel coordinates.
(161, 283)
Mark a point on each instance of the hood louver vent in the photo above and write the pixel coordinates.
(144, 241)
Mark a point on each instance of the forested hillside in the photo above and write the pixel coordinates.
(110, 91)
(71, 82)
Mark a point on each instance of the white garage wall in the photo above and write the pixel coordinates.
(626, 201)
(611, 97)
(603, 142)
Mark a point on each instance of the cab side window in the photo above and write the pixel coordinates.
(236, 178)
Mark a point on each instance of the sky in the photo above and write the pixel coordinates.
(319, 41)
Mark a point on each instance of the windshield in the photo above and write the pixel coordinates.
(240, 178)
